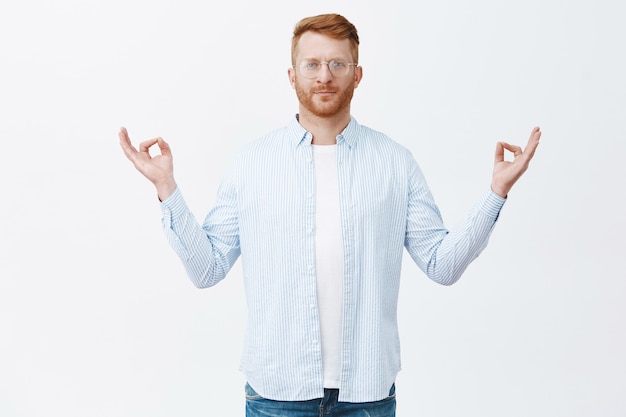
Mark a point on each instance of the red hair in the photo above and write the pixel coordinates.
(334, 26)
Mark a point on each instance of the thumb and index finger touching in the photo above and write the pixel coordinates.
(131, 152)
(528, 152)
(157, 169)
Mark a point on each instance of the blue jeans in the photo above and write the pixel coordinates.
(257, 406)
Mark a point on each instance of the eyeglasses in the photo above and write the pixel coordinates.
(310, 69)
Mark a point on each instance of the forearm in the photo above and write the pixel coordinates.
(465, 242)
(206, 259)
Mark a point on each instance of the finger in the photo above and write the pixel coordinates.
(123, 135)
(129, 149)
(499, 157)
(533, 142)
(164, 147)
(516, 150)
(146, 145)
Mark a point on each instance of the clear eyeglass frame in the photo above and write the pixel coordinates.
(310, 69)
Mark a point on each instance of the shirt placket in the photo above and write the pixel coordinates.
(314, 332)
(347, 218)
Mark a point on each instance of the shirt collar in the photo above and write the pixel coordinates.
(299, 134)
(351, 133)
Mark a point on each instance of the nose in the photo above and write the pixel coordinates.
(324, 75)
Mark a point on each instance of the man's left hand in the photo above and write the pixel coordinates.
(506, 173)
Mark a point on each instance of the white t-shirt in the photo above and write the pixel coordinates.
(329, 260)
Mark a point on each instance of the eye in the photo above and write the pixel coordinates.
(310, 65)
(339, 65)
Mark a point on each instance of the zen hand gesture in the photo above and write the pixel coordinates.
(506, 173)
(158, 169)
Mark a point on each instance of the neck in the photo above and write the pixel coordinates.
(324, 128)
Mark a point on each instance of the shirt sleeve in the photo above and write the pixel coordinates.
(207, 251)
(445, 254)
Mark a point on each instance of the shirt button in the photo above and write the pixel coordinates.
(309, 231)
(314, 341)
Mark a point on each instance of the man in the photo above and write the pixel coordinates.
(320, 211)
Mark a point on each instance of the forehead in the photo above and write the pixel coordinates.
(316, 45)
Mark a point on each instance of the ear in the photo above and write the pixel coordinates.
(291, 73)
(358, 75)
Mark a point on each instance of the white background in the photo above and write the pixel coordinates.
(97, 317)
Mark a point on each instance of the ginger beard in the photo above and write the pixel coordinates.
(324, 106)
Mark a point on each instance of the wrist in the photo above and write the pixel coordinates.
(501, 191)
(165, 189)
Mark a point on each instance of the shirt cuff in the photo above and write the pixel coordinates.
(174, 206)
(491, 204)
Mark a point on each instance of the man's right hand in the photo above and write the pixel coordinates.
(158, 169)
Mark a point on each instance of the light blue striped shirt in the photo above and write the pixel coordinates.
(265, 211)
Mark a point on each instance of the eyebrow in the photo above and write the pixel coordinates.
(331, 59)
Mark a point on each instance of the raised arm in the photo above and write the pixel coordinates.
(444, 255)
(207, 251)
(158, 169)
